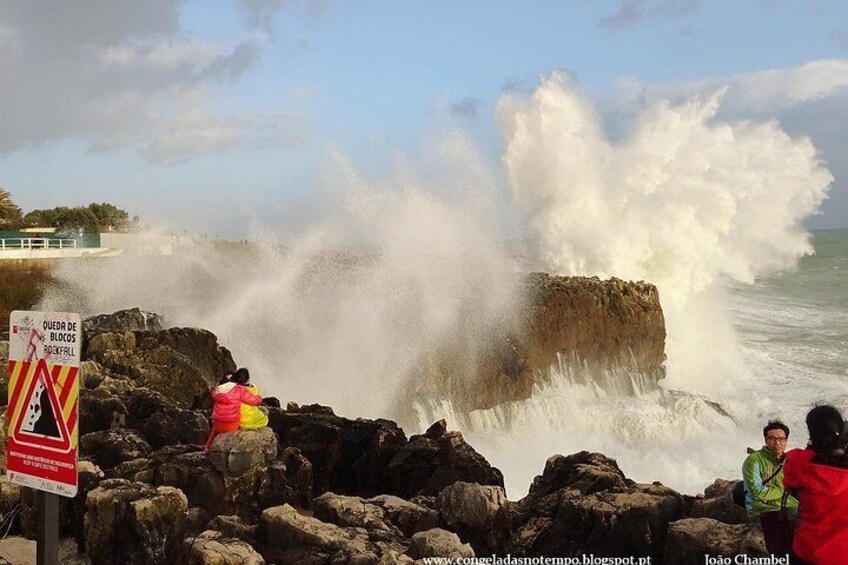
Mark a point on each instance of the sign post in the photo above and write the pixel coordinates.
(42, 417)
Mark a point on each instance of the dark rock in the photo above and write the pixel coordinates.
(691, 538)
(197, 520)
(100, 410)
(347, 456)
(163, 422)
(213, 548)
(410, 518)
(585, 472)
(349, 511)
(133, 523)
(181, 363)
(108, 448)
(271, 401)
(717, 503)
(298, 475)
(429, 463)
(122, 321)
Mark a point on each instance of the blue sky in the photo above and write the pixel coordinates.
(211, 115)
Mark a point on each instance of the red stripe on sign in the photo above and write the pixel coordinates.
(69, 385)
(13, 399)
(72, 422)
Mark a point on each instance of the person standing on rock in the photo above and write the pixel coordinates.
(764, 490)
(252, 417)
(226, 411)
(819, 476)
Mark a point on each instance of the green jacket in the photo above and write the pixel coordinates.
(760, 497)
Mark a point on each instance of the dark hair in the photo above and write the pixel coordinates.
(775, 425)
(226, 378)
(827, 436)
(241, 376)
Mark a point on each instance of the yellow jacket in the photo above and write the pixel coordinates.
(252, 418)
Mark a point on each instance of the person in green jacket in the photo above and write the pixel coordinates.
(763, 476)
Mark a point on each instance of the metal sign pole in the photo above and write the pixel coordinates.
(47, 528)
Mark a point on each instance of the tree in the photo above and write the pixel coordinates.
(92, 218)
(10, 213)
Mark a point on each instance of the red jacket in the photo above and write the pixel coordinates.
(228, 398)
(822, 534)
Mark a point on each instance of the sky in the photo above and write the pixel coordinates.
(215, 116)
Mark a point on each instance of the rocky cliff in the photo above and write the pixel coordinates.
(317, 488)
(611, 333)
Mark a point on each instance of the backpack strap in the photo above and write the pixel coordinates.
(773, 475)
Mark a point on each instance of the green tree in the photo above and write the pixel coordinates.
(92, 218)
(10, 213)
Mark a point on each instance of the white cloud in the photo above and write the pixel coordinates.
(117, 73)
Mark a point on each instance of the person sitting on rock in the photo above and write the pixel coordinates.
(226, 411)
(252, 417)
(819, 476)
(763, 476)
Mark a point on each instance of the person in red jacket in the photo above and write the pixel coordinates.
(226, 411)
(819, 476)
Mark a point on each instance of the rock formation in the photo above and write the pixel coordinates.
(318, 488)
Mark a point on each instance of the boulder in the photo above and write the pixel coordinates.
(434, 460)
(108, 448)
(438, 543)
(233, 453)
(410, 518)
(133, 523)
(469, 505)
(213, 548)
(181, 363)
(690, 539)
(585, 472)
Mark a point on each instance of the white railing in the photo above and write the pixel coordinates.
(37, 243)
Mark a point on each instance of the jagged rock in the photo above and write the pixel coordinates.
(128, 523)
(233, 527)
(119, 385)
(469, 505)
(100, 410)
(347, 456)
(717, 503)
(197, 520)
(585, 472)
(583, 503)
(122, 321)
(298, 475)
(10, 497)
(349, 511)
(434, 460)
(282, 528)
(410, 518)
(690, 539)
(188, 469)
(108, 448)
(162, 422)
(234, 453)
(438, 543)
(181, 363)
(213, 548)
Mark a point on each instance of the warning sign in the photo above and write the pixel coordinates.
(44, 357)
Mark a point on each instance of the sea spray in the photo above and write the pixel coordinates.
(682, 201)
